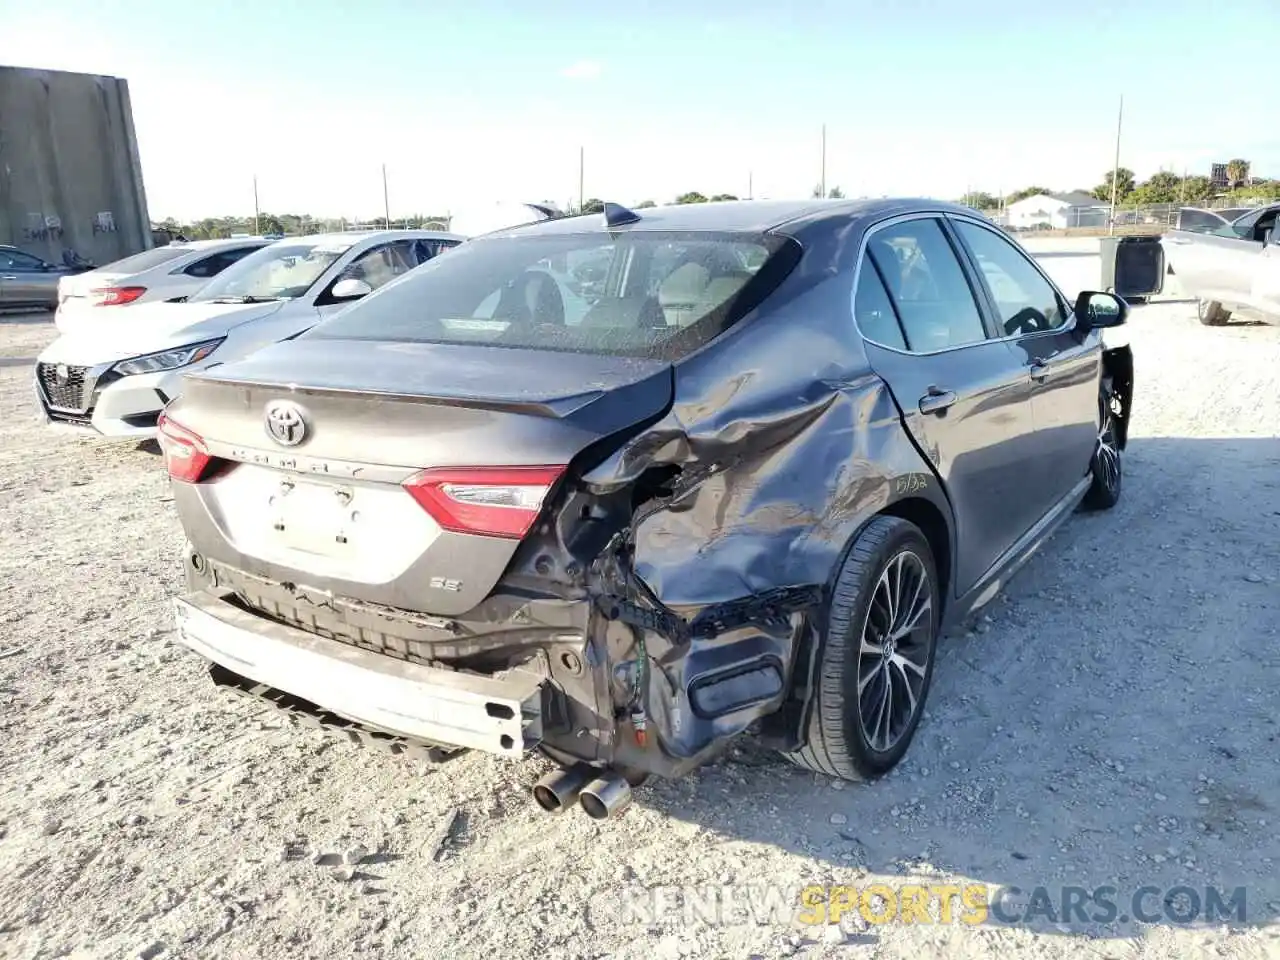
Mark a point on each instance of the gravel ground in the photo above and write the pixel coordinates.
(1110, 719)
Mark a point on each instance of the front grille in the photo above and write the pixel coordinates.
(63, 385)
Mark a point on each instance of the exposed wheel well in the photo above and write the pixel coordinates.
(933, 525)
(1117, 363)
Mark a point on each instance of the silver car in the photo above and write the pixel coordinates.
(1230, 267)
(26, 281)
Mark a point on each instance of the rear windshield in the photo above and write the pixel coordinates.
(644, 294)
(145, 260)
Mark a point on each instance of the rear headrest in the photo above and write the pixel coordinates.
(685, 284)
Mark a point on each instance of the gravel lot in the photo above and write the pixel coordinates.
(1111, 719)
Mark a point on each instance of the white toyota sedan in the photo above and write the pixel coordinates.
(112, 377)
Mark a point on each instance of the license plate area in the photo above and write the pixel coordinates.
(315, 518)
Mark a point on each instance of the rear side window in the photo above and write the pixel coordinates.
(646, 294)
(425, 250)
(145, 260)
(214, 264)
(927, 285)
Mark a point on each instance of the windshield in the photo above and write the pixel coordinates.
(279, 271)
(635, 294)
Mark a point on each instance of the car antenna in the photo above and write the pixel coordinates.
(615, 215)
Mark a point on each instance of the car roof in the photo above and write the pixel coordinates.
(216, 242)
(359, 236)
(742, 216)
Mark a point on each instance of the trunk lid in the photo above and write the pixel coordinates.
(330, 510)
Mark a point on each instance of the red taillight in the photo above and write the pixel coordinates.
(488, 501)
(185, 455)
(115, 296)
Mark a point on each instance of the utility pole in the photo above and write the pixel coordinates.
(386, 203)
(750, 190)
(823, 182)
(1115, 170)
(256, 229)
(582, 166)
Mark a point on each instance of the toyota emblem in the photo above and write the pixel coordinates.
(286, 423)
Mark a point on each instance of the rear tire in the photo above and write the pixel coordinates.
(1106, 467)
(880, 641)
(1212, 314)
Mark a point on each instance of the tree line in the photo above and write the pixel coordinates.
(1164, 186)
(290, 224)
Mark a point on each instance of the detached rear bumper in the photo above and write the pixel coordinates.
(500, 714)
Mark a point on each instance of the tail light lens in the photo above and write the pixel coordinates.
(487, 501)
(115, 296)
(185, 455)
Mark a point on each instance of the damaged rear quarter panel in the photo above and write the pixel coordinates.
(787, 445)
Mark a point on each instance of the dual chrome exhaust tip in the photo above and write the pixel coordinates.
(601, 793)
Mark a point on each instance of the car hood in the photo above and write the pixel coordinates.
(115, 333)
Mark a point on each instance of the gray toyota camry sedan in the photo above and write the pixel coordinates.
(617, 487)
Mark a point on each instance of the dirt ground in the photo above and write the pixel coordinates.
(1110, 720)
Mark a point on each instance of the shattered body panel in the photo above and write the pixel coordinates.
(781, 460)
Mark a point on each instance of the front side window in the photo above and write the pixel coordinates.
(380, 265)
(425, 250)
(1025, 300)
(278, 271)
(927, 285)
(13, 260)
(634, 294)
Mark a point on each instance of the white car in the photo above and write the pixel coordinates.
(113, 377)
(162, 273)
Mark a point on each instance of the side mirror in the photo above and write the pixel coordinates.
(351, 288)
(1096, 310)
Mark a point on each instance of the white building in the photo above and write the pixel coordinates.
(1057, 211)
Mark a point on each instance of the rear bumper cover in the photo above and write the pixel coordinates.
(499, 714)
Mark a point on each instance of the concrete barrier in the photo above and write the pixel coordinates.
(69, 169)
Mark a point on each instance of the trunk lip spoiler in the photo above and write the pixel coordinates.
(499, 714)
(551, 408)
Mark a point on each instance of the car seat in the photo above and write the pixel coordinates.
(532, 298)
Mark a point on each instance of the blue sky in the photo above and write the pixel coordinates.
(469, 101)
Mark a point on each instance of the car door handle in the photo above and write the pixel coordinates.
(8, 278)
(937, 401)
(1039, 371)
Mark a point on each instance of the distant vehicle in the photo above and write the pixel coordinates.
(1203, 220)
(747, 472)
(28, 281)
(1233, 266)
(113, 376)
(170, 272)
